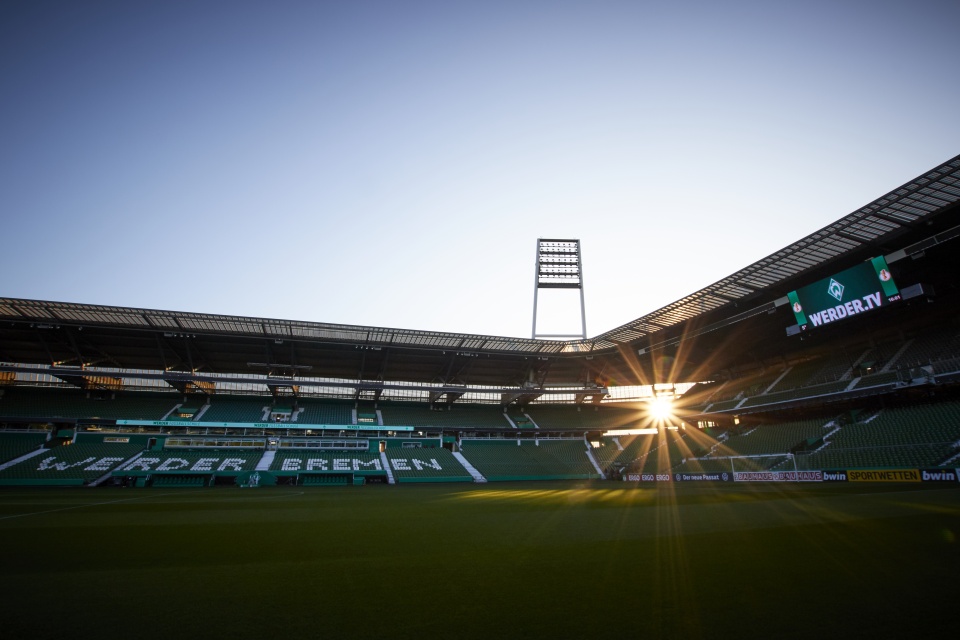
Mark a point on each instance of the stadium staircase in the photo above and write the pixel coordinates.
(783, 375)
(953, 459)
(386, 467)
(855, 366)
(527, 422)
(896, 356)
(853, 383)
(109, 474)
(266, 460)
(593, 461)
(833, 426)
(472, 470)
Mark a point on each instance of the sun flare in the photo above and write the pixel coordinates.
(661, 408)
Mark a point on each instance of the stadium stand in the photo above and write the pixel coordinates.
(75, 403)
(667, 449)
(891, 363)
(324, 412)
(795, 376)
(190, 408)
(14, 444)
(512, 459)
(753, 385)
(882, 379)
(569, 453)
(227, 409)
(606, 449)
(457, 416)
(921, 436)
(834, 368)
(520, 419)
(69, 464)
(634, 448)
(890, 378)
(433, 464)
(583, 417)
(307, 462)
(560, 417)
(793, 394)
(772, 439)
(206, 460)
(724, 405)
(176, 467)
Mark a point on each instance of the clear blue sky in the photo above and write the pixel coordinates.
(393, 163)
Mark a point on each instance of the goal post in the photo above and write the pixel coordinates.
(759, 457)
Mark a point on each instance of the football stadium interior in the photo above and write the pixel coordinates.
(774, 455)
(833, 357)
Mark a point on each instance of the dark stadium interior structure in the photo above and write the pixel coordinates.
(730, 339)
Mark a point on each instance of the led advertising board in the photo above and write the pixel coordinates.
(860, 289)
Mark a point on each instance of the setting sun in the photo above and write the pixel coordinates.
(661, 408)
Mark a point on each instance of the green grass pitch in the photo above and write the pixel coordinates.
(509, 560)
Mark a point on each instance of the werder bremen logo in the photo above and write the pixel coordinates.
(835, 289)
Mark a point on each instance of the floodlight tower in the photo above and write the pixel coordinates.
(558, 267)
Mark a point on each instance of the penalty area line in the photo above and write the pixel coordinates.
(155, 495)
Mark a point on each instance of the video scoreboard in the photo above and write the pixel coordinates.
(860, 289)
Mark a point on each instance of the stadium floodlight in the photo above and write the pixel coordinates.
(558, 266)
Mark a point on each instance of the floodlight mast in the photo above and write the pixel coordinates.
(558, 266)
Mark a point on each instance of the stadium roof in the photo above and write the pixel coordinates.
(902, 209)
(62, 333)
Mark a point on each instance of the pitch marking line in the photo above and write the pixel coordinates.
(79, 506)
(155, 495)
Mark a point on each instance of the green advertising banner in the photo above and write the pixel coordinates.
(859, 289)
(260, 425)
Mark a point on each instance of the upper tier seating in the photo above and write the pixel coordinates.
(236, 409)
(584, 417)
(325, 411)
(458, 416)
(50, 404)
